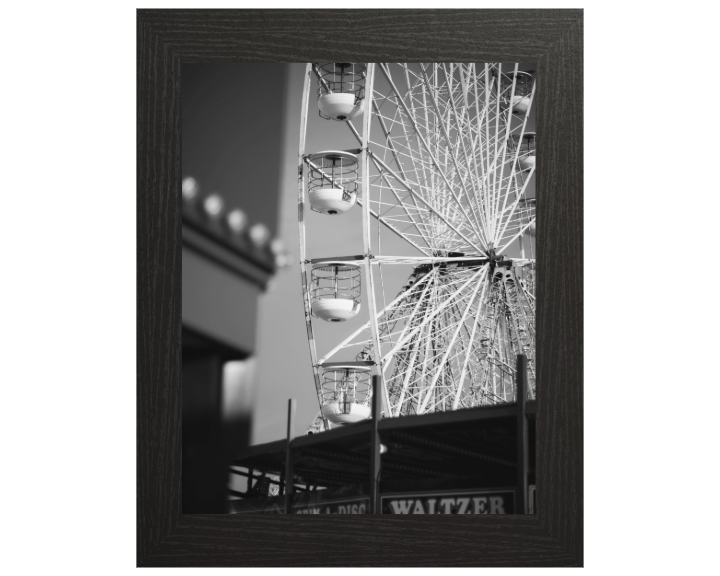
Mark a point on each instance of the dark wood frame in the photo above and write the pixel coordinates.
(553, 39)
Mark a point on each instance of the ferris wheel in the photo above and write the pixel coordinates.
(444, 166)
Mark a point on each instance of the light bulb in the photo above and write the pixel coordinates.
(237, 220)
(189, 188)
(213, 205)
(277, 246)
(259, 234)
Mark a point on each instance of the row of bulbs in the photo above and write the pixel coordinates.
(213, 207)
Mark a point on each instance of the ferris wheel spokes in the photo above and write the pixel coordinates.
(460, 124)
(452, 152)
(376, 215)
(422, 341)
(473, 223)
(455, 145)
(429, 317)
(402, 172)
(449, 347)
(469, 243)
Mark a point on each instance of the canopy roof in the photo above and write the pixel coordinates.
(472, 448)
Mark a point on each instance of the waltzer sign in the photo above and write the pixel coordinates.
(475, 502)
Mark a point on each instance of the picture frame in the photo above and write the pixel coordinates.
(553, 39)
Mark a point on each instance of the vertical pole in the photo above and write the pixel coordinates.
(288, 457)
(374, 507)
(521, 494)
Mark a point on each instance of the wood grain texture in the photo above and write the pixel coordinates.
(550, 38)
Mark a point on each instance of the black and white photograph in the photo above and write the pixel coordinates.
(379, 286)
(358, 297)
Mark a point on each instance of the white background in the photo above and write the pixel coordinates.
(68, 285)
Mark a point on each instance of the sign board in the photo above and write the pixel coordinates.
(467, 502)
(349, 506)
(305, 503)
(490, 501)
